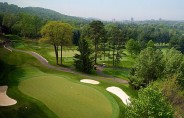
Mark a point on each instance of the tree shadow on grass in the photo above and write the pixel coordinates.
(5, 69)
(26, 106)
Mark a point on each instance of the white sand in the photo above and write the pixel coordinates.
(89, 81)
(7, 48)
(120, 93)
(41, 56)
(4, 99)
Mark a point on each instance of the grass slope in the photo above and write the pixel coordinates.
(67, 99)
(20, 68)
(13, 67)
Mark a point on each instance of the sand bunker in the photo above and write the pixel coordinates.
(89, 81)
(4, 99)
(120, 93)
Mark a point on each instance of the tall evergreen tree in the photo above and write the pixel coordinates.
(84, 61)
(97, 33)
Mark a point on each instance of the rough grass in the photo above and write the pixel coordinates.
(120, 73)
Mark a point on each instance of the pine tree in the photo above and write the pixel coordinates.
(84, 61)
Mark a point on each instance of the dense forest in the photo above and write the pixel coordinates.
(143, 41)
(28, 22)
(44, 14)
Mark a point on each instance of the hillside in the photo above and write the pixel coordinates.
(43, 13)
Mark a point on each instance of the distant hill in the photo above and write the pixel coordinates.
(43, 13)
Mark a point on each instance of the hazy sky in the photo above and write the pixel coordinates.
(112, 9)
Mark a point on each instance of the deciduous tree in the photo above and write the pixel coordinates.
(149, 104)
(148, 68)
(58, 34)
(133, 47)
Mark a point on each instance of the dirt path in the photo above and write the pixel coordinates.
(45, 63)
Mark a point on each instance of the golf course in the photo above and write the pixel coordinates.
(60, 93)
(105, 64)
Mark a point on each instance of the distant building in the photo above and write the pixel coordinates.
(132, 19)
(113, 20)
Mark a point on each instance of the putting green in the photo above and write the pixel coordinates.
(66, 98)
(66, 53)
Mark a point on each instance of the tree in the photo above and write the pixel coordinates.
(65, 37)
(1, 19)
(149, 104)
(37, 23)
(177, 42)
(58, 34)
(133, 47)
(27, 26)
(84, 61)
(150, 44)
(50, 33)
(116, 43)
(76, 37)
(174, 65)
(148, 68)
(97, 32)
(8, 21)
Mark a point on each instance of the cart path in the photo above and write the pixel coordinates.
(45, 63)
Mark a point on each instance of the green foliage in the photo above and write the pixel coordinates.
(9, 20)
(97, 34)
(58, 34)
(174, 65)
(149, 104)
(148, 68)
(177, 42)
(76, 37)
(44, 14)
(173, 93)
(116, 43)
(84, 60)
(133, 47)
(150, 44)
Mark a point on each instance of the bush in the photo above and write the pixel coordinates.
(149, 104)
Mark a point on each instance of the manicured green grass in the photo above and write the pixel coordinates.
(67, 99)
(66, 53)
(12, 68)
(27, 68)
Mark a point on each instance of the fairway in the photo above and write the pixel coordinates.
(66, 53)
(66, 98)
